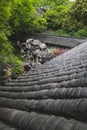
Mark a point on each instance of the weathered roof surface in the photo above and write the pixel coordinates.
(51, 97)
(64, 41)
(5, 126)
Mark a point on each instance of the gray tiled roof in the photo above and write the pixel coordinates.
(51, 97)
(63, 41)
(5, 126)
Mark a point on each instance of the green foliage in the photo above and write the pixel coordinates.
(40, 24)
(7, 58)
(55, 16)
(25, 18)
(53, 3)
(65, 17)
(17, 16)
(79, 11)
(52, 19)
(17, 68)
(53, 49)
(22, 16)
(77, 17)
(81, 33)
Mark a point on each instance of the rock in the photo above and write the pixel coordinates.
(36, 43)
(22, 51)
(35, 53)
(29, 41)
(43, 46)
(27, 67)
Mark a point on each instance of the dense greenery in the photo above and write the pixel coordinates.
(67, 18)
(16, 16)
(76, 19)
(59, 16)
(7, 58)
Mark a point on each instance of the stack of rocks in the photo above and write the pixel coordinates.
(35, 53)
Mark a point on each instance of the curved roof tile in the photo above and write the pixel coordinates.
(51, 97)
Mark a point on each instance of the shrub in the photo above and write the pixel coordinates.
(81, 33)
(8, 61)
(59, 51)
(16, 71)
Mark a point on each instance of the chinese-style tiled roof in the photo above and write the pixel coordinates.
(51, 97)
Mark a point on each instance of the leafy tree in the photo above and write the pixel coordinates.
(77, 17)
(24, 16)
(53, 3)
(81, 33)
(55, 17)
(40, 24)
(17, 16)
(6, 49)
